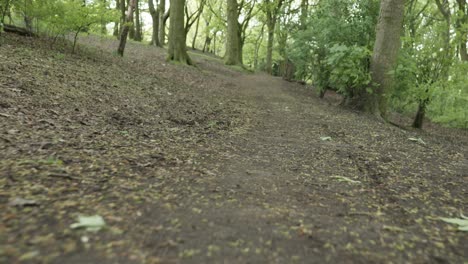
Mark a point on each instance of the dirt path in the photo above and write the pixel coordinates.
(210, 165)
(275, 196)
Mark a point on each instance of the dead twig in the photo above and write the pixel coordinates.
(63, 175)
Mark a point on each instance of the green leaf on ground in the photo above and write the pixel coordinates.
(344, 179)
(419, 140)
(325, 138)
(462, 222)
(90, 223)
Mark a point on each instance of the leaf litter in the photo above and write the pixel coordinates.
(204, 165)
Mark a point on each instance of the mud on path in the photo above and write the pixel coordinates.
(210, 165)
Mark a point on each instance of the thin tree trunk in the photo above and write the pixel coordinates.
(116, 23)
(206, 45)
(258, 43)
(27, 18)
(240, 45)
(232, 42)
(462, 23)
(123, 17)
(214, 43)
(155, 18)
(103, 23)
(177, 50)
(131, 32)
(126, 27)
(419, 118)
(303, 16)
(196, 32)
(269, 55)
(5, 10)
(162, 23)
(138, 30)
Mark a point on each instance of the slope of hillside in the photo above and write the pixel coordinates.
(207, 165)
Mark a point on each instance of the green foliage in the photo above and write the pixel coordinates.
(334, 50)
(429, 72)
(348, 68)
(60, 17)
(450, 99)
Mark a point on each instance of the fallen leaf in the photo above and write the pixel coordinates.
(22, 202)
(90, 223)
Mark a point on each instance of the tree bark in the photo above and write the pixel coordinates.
(462, 23)
(162, 23)
(386, 48)
(303, 16)
(232, 41)
(155, 18)
(177, 50)
(138, 30)
(116, 23)
(269, 55)
(272, 10)
(197, 26)
(258, 42)
(419, 118)
(4, 10)
(123, 16)
(18, 30)
(126, 27)
(206, 45)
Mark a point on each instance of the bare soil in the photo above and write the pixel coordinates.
(210, 164)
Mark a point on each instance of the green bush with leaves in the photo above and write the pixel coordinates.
(348, 67)
(63, 17)
(334, 49)
(450, 99)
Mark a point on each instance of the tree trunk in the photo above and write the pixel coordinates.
(162, 23)
(177, 50)
(4, 11)
(103, 23)
(232, 41)
(206, 45)
(155, 17)
(386, 47)
(240, 45)
(269, 55)
(126, 27)
(258, 42)
(131, 33)
(272, 10)
(18, 30)
(123, 17)
(138, 31)
(419, 119)
(116, 23)
(196, 32)
(462, 23)
(303, 17)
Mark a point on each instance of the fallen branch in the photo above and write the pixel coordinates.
(62, 175)
(18, 30)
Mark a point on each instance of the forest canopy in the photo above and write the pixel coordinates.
(329, 45)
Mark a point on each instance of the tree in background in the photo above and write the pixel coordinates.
(177, 50)
(271, 8)
(126, 27)
(155, 19)
(232, 56)
(384, 58)
(162, 22)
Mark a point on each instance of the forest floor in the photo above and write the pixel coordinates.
(210, 164)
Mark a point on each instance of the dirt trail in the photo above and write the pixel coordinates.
(276, 194)
(210, 165)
